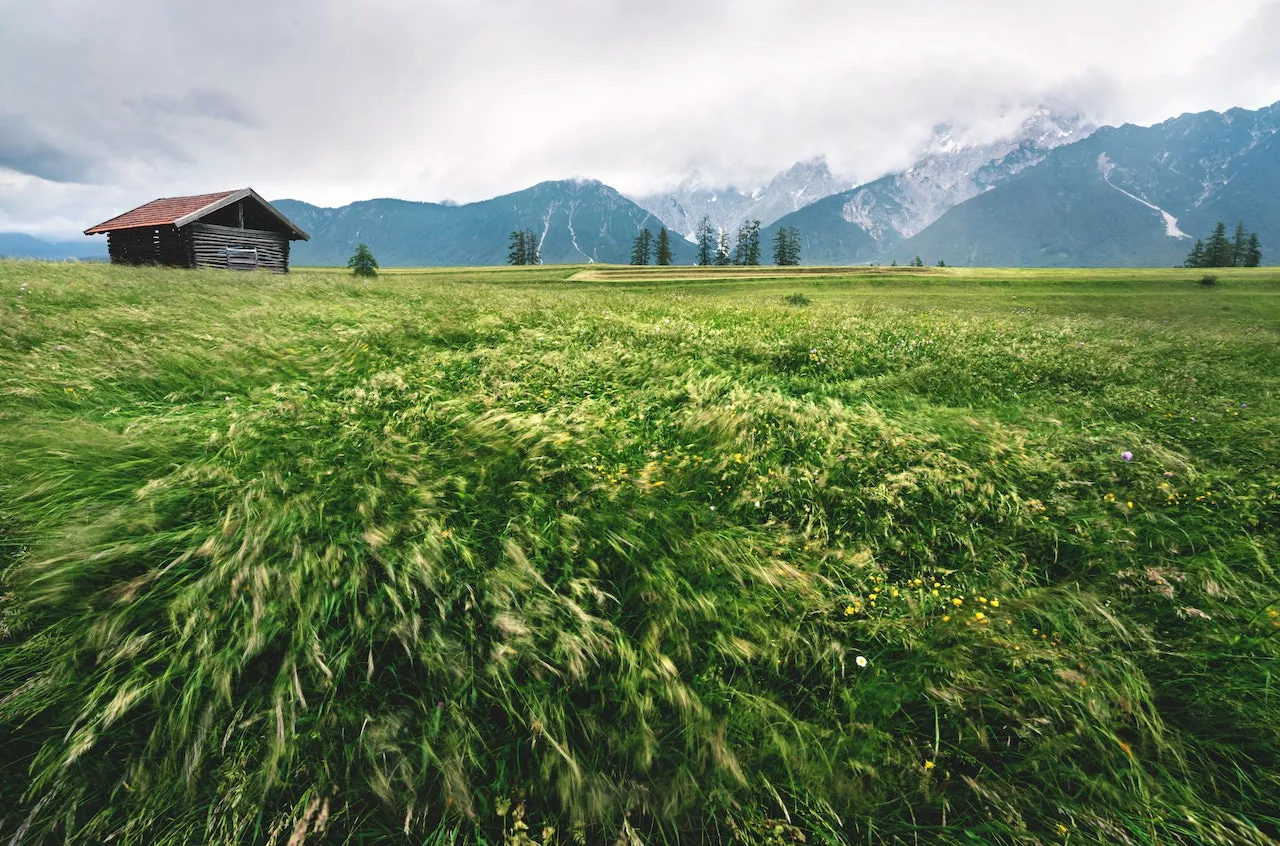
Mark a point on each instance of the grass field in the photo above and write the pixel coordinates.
(607, 555)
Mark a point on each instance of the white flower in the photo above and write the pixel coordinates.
(861, 660)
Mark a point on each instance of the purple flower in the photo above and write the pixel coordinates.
(1126, 455)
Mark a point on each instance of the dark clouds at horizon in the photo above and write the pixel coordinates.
(109, 103)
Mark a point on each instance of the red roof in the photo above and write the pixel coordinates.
(163, 212)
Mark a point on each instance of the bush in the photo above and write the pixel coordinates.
(797, 300)
(1208, 280)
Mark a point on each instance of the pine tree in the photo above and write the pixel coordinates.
(786, 246)
(1239, 244)
(532, 248)
(793, 254)
(752, 257)
(780, 248)
(640, 248)
(740, 248)
(664, 247)
(362, 262)
(706, 237)
(1195, 258)
(917, 262)
(516, 249)
(723, 256)
(1253, 252)
(1218, 251)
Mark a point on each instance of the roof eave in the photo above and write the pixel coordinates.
(192, 217)
(235, 197)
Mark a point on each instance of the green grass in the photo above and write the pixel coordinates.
(660, 556)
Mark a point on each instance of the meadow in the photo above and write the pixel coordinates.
(618, 555)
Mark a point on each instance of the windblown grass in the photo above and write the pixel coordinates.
(496, 556)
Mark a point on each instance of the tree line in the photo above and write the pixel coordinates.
(1220, 251)
(716, 249)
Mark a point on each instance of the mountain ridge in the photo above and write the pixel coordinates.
(1057, 191)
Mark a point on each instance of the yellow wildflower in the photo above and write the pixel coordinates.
(928, 765)
(957, 601)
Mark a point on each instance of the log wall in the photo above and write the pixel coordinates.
(209, 248)
(164, 245)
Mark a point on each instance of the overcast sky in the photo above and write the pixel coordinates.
(105, 104)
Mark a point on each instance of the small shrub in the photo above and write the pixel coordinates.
(797, 300)
(1208, 280)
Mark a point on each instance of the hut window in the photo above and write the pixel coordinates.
(241, 258)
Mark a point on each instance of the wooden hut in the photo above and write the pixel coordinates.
(237, 230)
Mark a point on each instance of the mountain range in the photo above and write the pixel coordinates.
(1057, 191)
(684, 206)
(575, 222)
(20, 245)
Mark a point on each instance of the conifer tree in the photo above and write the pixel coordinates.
(752, 256)
(793, 253)
(723, 257)
(786, 246)
(740, 249)
(1218, 251)
(641, 247)
(1253, 252)
(532, 248)
(706, 237)
(664, 247)
(917, 262)
(1239, 244)
(516, 248)
(362, 262)
(1195, 258)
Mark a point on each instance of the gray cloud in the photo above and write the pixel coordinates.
(26, 150)
(336, 100)
(196, 103)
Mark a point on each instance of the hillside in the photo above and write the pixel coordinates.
(1126, 196)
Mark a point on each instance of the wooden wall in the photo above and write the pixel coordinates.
(164, 245)
(209, 246)
(201, 245)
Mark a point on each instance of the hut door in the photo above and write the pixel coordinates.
(239, 258)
